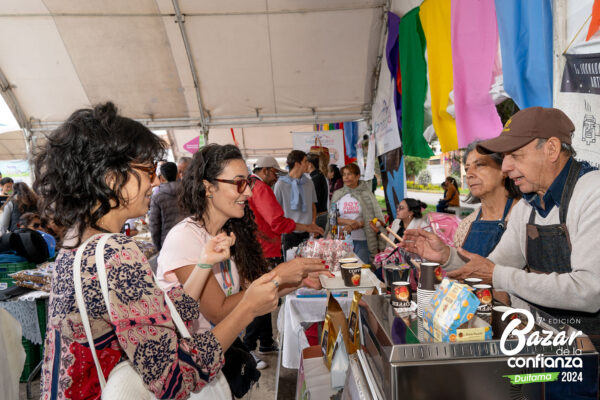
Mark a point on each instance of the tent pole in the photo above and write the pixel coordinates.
(17, 111)
(380, 57)
(188, 51)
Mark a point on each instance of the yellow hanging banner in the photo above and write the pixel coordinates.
(435, 19)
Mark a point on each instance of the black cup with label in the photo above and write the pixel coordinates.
(427, 278)
(401, 294)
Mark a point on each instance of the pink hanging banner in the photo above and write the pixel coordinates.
(193, 145)
(474, 47)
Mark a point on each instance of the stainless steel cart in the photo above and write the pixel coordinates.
(402, 363)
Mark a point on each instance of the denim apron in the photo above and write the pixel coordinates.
(548, 250)
(484, 235)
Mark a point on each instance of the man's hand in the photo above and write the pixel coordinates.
(312, 228)
(477, 267)
(426, 244)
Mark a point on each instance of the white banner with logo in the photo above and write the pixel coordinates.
(385, 123)
(571, 93)
(333, 140)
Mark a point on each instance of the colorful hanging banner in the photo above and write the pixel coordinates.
(474, 49)
(413, 69)
(525, 29)
(393, 176)
(435, 19)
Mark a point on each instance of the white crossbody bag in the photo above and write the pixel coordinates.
(124, 383)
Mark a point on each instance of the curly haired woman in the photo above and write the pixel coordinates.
(95, 172)
(215, 190)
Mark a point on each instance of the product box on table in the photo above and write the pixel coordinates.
(451, 315)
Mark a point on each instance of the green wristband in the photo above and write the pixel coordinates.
(204, 266)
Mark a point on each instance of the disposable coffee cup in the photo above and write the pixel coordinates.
(351, 274)
(498, 325)
(393, 273)
(400, 297)
(473, 281)
(485, 296)
(348, 260)
(427, 278)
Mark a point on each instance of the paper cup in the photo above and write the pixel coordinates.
(394, 273)
(473, 281)
(485, 296)
(427, 278)
(351, 274)
(400, 297)
(498, 326)
(348, 260)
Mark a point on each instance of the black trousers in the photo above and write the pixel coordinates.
(261, 328)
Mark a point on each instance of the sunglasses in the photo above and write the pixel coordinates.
(241, 184)
(150, 170)
(37, 225)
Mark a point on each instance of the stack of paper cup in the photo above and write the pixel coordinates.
(426, 288)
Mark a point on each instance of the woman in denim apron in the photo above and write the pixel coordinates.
(497, 196)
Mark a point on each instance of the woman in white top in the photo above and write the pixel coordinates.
(215, 190)
(409, 215)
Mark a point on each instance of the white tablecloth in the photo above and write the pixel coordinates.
(294, 312)
(24, 310)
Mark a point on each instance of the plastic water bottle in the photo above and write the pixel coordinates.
(348, 240)
(333, 216)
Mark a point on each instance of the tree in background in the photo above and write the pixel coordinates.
(413, 166)
(424, 177)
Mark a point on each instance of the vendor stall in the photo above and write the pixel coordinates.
(404, 361)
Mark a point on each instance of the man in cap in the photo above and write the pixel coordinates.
(271, 223)
(549, 254)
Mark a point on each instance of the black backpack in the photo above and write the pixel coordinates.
(27, 243)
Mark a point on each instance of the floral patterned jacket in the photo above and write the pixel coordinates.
(138, 328)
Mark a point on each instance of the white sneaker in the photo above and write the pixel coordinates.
(260, 364)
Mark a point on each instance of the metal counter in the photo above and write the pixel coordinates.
(404, 364)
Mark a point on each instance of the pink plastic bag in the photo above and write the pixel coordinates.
(444, 225)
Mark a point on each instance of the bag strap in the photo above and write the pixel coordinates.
(102, 278)
(82, 310)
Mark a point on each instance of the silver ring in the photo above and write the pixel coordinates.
(275, 283)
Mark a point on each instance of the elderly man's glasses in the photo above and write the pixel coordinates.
(240, 183)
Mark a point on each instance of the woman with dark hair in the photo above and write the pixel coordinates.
(23, 200)
(93, 173)
(335, 179)
(358, 206)
(214, 192)
(409, 215)
(451, 195)
(481, 231)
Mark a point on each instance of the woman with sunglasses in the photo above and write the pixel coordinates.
(215, 190)
(95, 172)
(409, 215)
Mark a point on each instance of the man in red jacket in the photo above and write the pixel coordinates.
(271, 224)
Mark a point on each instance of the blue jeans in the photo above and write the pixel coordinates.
(361, 249)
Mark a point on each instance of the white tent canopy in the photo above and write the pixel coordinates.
(177, 64)
(280, 59)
